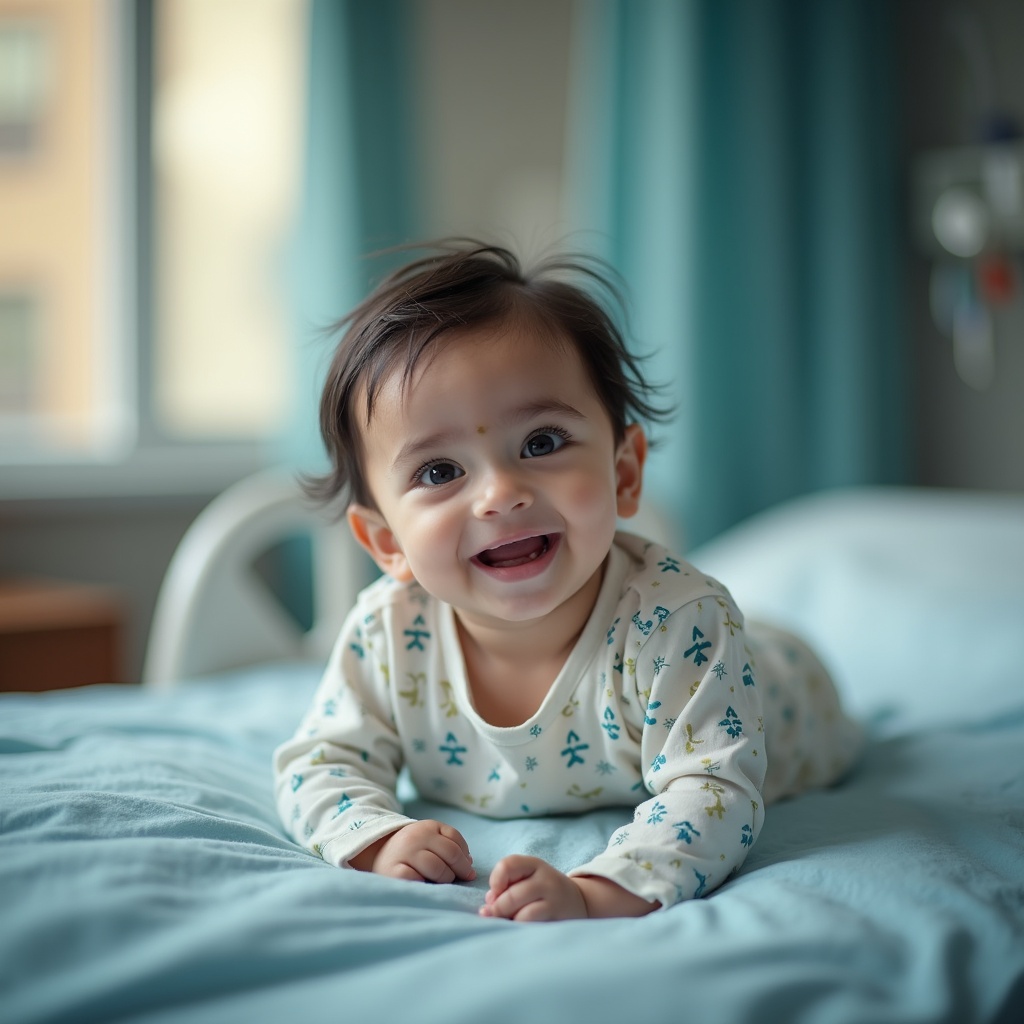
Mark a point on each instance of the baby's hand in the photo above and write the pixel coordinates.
(530, 889)
(422, 851)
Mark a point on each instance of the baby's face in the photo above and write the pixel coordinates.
(497, 477)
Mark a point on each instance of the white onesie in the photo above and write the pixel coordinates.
(667, 704)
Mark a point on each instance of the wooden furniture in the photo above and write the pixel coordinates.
(55, 635)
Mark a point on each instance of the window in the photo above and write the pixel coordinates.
(150, 155)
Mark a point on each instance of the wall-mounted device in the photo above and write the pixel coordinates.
(968, 212)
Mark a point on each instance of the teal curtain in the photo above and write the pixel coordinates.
(357, 194)
(736, 161)
(356, 200)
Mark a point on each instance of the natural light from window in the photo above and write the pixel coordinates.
(82, 377)
(227, 137)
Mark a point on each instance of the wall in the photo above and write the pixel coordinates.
(125, 544)
(492, 78)
(964, 437)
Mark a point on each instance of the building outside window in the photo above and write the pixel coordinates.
(150, 155)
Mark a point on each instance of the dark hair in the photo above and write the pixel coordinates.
(466, 284)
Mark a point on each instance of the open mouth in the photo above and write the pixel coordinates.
(519, 552)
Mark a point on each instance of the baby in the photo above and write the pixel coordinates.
(520, 656)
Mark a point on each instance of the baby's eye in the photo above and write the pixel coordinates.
(544, 442)
(438, 473)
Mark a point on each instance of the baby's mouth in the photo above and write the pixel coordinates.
(519, 552)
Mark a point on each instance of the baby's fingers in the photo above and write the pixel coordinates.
(426, 851)
(511, 890)
(452, 849)
(441, 855)
(510, 870)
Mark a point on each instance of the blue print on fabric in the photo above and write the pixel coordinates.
(609, 724)
(748, 675)
(697, 650)
(685, 832)
(645, 627)
(452, 749)
(418, 635)
(572, 749)
(657, 815)
(731, 723)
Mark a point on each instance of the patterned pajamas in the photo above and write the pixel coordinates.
(667, 703)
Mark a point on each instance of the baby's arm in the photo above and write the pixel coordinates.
(702, 754)
(529, 889)
(336, 776)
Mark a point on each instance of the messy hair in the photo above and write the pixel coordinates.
(465, 284)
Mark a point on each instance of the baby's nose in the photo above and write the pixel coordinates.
(502, 492)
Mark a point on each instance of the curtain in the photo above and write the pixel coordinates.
(356, 194)
(356, 199)
(736, 162)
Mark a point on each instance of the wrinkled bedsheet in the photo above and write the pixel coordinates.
(144, 875)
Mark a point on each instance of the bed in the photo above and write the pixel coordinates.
(144, 875)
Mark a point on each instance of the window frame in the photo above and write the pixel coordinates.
(141, 463)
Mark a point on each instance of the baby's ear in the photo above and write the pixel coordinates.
(373, 533)
(629, 470)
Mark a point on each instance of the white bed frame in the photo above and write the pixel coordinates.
(213, 613)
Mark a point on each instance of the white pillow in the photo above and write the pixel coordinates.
(914, 597)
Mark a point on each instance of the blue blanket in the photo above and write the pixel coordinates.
(144, 875)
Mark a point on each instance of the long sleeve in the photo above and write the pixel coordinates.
(335, 779)
(700, 723)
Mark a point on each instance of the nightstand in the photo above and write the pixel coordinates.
(55, 635)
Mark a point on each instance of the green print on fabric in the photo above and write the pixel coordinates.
(414, 695)
(717, 808)
(575, 791)
(448, 705)
(691, 743)
(729, 623)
